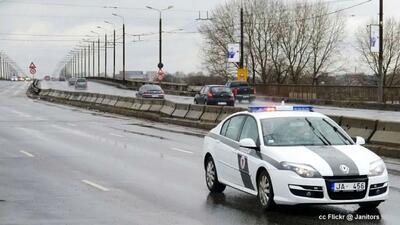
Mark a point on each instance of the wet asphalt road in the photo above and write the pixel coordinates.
(95, 87)
(64, 165)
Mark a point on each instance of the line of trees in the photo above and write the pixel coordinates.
(285, 42)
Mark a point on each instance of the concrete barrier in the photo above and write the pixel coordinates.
(228, 110)
(146, 104)
(83, 97)
(156, 105)
(180, 110)
(137, 103)
(211, 113)
(168, 108)
(195, 112)
(387, 133)
(359, 127)
(106, 99)
(100, 98)
(92, 98)
(113, 100)
(124, 102)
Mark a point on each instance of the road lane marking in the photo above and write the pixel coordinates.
(115, 135)
(27, 153)
(95, 185)
(181, 150)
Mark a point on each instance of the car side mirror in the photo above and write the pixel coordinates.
(248, 143)
(360, 140)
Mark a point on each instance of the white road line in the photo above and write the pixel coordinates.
(115, 135)
(27, 153)
(95, 185)
(181, 150)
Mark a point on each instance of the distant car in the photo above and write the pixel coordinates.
(215, 95)
(21, 79)
(81, 83)
(28, 79)
(47, 78)
(150, 91)
(61, 79)
(72, 81)
(242, 90)
(14, 78)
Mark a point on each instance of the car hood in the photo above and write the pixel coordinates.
(327, 160)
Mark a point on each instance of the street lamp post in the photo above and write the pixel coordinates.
(113, 48)
(160, 64)
(105, 50)
(98, 53)
(123, 47)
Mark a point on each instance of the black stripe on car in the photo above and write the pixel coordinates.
(244, 171)
(340, 163)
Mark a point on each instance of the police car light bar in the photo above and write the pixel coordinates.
(280, 108)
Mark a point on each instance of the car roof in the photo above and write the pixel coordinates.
(278, 114)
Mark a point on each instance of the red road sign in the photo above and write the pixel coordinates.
(32, 71)
(160, 74)
(32, 66)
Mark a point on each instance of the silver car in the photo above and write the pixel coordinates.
(81, 83)
(150, 91)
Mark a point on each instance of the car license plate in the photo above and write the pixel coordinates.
(245, 96)
(154, 96)
(221, 103)
(356, 186)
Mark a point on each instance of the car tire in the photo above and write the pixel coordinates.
(212, 178)
(195, 102)
(265, 194)
(369, 205)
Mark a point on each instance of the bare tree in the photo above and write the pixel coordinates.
(391, 51)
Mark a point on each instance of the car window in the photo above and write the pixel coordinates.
(250, 129)
(220, 89)
(225, 127)
(234, 127)
(239, 84)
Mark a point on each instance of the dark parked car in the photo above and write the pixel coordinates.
(215, 95)
(242, 90)
(47, 78)
(81, 83)
(150, 91)
(71, 81)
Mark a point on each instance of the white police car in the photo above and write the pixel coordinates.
(291, 155)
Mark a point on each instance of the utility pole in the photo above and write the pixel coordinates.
(94, 72)
(114, 56)
(98, 57)
(241, 63)
(88, 55)
(81, 75)
(105, 55)
(381, 40)
(160, 64)
(84, 64)
(123, 53)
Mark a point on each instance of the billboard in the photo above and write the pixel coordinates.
(233, 53)
(374, 38)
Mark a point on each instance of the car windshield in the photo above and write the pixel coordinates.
(152, 88)
(81, 81)
(220, 89)
(239, 84)
(302, 131)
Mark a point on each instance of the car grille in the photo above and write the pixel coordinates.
(345, 195)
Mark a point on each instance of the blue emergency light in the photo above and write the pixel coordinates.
(280, 108)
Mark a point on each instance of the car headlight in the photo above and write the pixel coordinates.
(377, 168)
(302, 170)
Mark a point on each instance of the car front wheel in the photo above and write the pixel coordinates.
(212, 178)
(265, 191)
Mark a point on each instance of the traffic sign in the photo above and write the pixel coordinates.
(32, 71)
(32, 66)
(160, 75)
(242, 74)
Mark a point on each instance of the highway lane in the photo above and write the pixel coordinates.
(95, 87)
(65, 165)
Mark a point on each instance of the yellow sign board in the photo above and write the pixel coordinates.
(242, 74)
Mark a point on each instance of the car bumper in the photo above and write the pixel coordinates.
(216, 101)
(290, 191)
(249, 97)
(152, 96)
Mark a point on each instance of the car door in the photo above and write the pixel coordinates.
(227, 147)
(246, 159)
(199, 96)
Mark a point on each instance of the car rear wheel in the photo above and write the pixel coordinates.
(212, 178)
(369, 205)
(265, 191)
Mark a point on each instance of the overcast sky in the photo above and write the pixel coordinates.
(44, 31)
